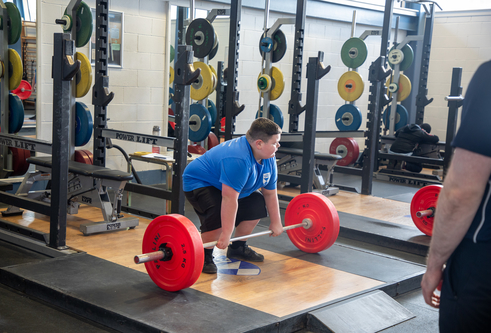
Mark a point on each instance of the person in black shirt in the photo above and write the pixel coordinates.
(408, 139)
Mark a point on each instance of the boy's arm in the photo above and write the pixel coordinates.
(272, 204)
(230, 204)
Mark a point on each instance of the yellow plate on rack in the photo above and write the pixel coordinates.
(404, 87)
(350, 86)
(203, 86)
(84, 75)
(15, 67)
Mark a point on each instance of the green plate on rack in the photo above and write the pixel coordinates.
(15, 23)
(84, 24)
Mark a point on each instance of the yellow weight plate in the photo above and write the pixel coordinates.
(404, 87)
(350, 86)
(203, 86)
(84, 75)
(15, 69)
(215, 77)
(278, 84)
(171, 74)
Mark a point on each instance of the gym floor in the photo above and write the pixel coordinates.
(290, 282)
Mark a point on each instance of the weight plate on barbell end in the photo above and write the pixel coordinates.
(212, 140)
(83, 124)
(201, 127)
(408, 52)
(278, 47)
(201, 36)
(203, 86)
(424, 199)
(16, 113)
(15, 69)
(84, 24)
(401, 117)
(171, 75)
(84, 156)
(172, 53)
(24, 90)
(354, 52)
(83, 76)
(324, 217)
(15, 28)
(404, 87)
(196, 149)
(275, 115)
(348, 118)
(180, 235)
(350, 86)
(19, 161)
(278, 84)
(215, 77)
(347, 148)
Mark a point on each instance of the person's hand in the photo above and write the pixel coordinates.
(430, 282)
(223, 241)
(277, 229)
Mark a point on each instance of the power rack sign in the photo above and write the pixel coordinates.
(17, 143)
(136, 138)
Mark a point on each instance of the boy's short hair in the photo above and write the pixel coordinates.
(262, 129)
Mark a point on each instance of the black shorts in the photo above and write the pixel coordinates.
(465, 304)
(207, 202)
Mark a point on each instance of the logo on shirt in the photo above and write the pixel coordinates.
(266, 177)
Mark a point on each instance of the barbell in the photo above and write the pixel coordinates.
(173, 252)
(423, 207)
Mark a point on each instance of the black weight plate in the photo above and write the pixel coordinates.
(214, 51)
(279, 45)
(201, 36)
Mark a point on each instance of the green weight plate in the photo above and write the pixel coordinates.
(354, 52)
(84, 24)
(15, 27)
(16, 113)
(408, 52)
(172, 53)
(279, 45)
(83, 124)
(201, 36)
(214, 51)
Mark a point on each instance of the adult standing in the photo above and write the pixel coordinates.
(460, 249)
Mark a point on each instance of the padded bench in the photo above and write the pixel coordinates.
(88, 170)
(317, 156)
(87, 185)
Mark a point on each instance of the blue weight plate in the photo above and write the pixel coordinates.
(401, 117)
(213, 111)
(172, 104)
(275, 115)
(199, 123)
(348, 118)
(83, 124)
(16, 113)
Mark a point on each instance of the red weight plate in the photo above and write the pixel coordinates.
(24, 90)
(222, 124)
(325, 222)
(424, 199)
(212, 140)
(196, 149)
(172, 124)
(181, 236)
(82, 156)
(19, 163)
(346, 147)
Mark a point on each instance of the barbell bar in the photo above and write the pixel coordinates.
(161, 255)
(173, 252)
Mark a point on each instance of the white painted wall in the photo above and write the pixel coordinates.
(460, 39)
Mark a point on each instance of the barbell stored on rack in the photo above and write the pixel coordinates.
(173, 252)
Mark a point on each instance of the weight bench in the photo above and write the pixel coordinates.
(87, 184)
(289, 160)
